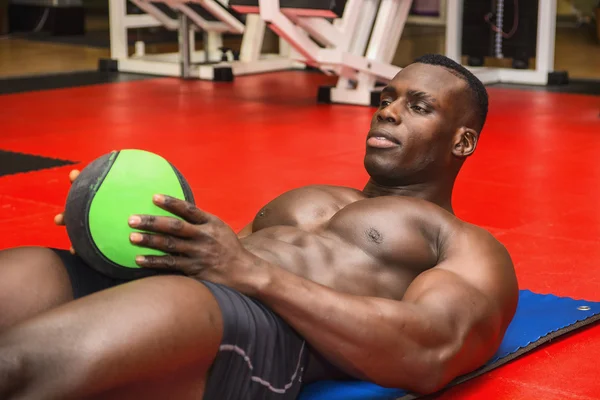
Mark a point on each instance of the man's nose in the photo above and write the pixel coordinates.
(388, 115)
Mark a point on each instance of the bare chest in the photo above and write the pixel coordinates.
(363, 246)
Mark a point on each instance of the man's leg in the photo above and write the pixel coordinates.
(159, 331)
(32, 280)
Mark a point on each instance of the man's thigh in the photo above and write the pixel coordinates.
(37, 279)
(157, 331)
(32, 280)
(258, 354)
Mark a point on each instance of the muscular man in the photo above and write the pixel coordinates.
(383, 284)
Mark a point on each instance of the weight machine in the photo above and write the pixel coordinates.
(355, 40)
(210, 17)
(358, 45)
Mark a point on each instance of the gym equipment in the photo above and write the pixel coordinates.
(505, 29)
(539, 319)
(103, 197)
(358, 45)
(213, 19)
(543, 73)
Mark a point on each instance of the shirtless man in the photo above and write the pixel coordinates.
(383, 284)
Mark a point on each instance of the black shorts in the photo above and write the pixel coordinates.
(260, 357)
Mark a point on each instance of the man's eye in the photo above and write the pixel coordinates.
(418, 109)
(385, 103)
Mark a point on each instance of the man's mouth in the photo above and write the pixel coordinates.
(381, 140)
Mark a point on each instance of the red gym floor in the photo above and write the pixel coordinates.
(533, 181)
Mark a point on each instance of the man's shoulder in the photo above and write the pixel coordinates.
(472, 251)
(426, 214)
(455, 238)
(468, 233)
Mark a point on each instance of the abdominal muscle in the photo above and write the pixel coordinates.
(325, 258)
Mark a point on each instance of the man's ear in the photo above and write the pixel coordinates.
(465, 142)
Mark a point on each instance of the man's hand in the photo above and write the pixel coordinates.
(59, 219)
(199, 245)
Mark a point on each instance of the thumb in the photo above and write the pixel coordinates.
(73, 175)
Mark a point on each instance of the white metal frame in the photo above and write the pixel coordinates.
(359, 47)
(187, 62)
(546, 30)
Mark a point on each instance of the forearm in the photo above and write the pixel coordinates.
(370, 338)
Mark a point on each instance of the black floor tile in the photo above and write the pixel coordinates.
(14, 163)
(66, 80)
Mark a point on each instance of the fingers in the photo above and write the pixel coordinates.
(73, 175)
(187, 228)
(160, 224)
(167, 244)
(59, 219)
(184, 209)
(167, 262)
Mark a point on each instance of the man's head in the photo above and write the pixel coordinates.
(431, 114)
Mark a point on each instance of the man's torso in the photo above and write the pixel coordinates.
(377, 246)
(340, 238)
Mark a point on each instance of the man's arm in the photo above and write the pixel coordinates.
(450, 321)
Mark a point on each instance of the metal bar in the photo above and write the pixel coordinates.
(149, 67)
(280, 24)
(199, 21)
(253, 38)
(118, 29)
(395, 26)
(184, 45)
(155, 17)
(454, 13)
(362, 31)
(214, 41)
(305, 12)
(546, 36)
(379, 37)
(388, 28)
(350, 17)
(235, 26)
(260, 66)
(246, 9)
(498, 39)
(288, 11)
(374, 68)
(321, 30)
(529, 77)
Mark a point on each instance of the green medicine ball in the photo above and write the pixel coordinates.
(103, 197)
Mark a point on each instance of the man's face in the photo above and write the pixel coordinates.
(412, 132)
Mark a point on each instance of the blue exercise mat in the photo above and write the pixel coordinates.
(539, 318)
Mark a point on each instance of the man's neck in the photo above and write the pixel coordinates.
(434, 192)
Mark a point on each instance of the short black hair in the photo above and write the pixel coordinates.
(479, 94)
